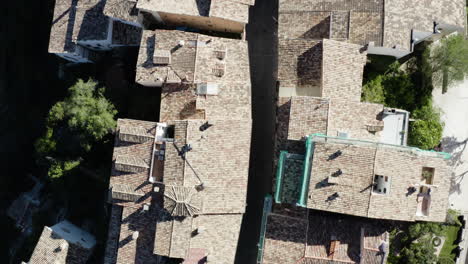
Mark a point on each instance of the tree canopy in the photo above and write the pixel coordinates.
(426, 131)
(83, 118)
(449, 61)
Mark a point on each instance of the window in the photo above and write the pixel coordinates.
(381, 184)
(427, 175)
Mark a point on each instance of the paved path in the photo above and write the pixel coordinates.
(454, 105)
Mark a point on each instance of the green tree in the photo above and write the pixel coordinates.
(426, 131)
(373, 91)
(394, 88)
(399, 88)
(83, 118)
(85, 111)
(449, 61)
(418, 252)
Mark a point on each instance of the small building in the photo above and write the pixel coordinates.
(82, 29)
(63, 243)
(385, 27)
(320, 238)
(365, 178)
(213, 15)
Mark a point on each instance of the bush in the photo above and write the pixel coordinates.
(394, 88)
(426, 131)
(59, 168)
(76, 123)
(373, 91)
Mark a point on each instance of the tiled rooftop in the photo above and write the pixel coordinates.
(385, 23)
(193, 58)
(311, 67)
(63, 243)
(81, 21)
(217, 15)
(342, 179)
(309, 115)
(322, 238)
(74, 21)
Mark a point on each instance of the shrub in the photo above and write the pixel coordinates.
(373, 91)
(426, 131)
(59, 168)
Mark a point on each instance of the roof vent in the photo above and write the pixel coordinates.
(135, 235)
(162, 57)
(146, 207)
(181, 43)
(220, 54)
(219, 69)
(207, 89)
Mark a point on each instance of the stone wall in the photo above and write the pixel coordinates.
(343, 66)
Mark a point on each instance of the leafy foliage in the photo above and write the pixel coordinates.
(59, 168)
(394, 88)
(410, 90)
(86, 111)
(452, 217)
(419, 252)
(74, 125)
(373, 91)
(426, 131)
(416, 243)
(449, 61)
